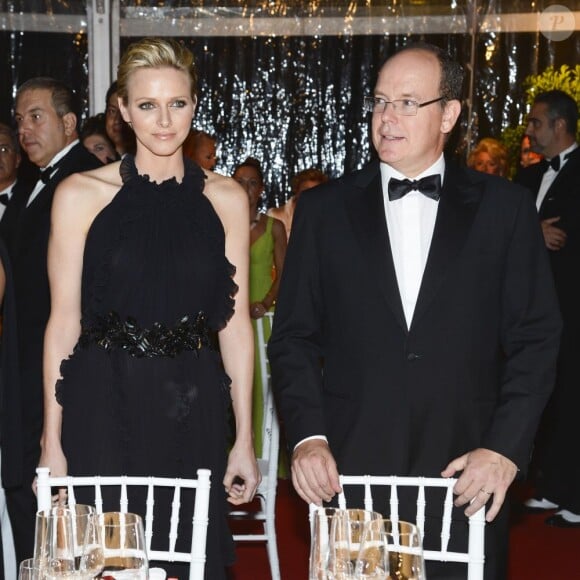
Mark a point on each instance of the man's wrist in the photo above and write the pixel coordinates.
(311, 438)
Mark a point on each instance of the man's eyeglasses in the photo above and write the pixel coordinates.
(406, 107)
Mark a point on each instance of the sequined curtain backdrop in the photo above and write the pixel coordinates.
(295, 100)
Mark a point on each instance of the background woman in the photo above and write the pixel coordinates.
(201, 148)
(148, 258)
(267, 251)
(300, 182)
(94, 137)
(489, 156)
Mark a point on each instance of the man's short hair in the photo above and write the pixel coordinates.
(452, 73)
(6, 129)
(560, 106)
(64, 99)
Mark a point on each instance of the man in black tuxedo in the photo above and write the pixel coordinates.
(555, 184)
(46, 114)
(417, 326)
(9, 162)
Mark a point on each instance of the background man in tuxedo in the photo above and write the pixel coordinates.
(555, 184)
(431, 309)
(9, 162)
(46, 114)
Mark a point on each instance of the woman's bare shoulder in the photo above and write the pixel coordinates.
(88, 192)
(276, 212)
(225, 194)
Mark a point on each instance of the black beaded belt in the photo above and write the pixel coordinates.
(190, 333)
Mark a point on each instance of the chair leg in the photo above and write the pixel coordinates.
(272, 548)
(270, 530)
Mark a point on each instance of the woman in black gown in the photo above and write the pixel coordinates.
(148, 265)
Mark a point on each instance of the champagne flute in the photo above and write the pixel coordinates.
(321, 526)
(346, 535)
(123, 540)
(390, 550)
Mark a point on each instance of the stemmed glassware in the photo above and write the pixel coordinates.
(336, 539)
(123, 540)
(346, 535)
(357, 544)
(68, 543)
(390, 550)
(321, 528)
(29, 569)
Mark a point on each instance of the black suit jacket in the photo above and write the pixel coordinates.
(26, 231)
(562, 200)
(474, 369)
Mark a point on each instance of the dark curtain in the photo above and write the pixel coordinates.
(291, 102)
(24, 55)
(295, 102)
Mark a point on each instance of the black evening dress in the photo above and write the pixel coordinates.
(144, 392)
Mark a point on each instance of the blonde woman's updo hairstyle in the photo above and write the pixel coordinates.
(155, 53)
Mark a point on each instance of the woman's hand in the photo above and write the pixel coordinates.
(242, 474)
(55, 460)
(257, 310)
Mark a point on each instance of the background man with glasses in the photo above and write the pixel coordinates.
(426, 292)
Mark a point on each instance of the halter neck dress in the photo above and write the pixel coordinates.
(144, 392)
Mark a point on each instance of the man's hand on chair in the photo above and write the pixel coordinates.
(486, 474)
(314, 472)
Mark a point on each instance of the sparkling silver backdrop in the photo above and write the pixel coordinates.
(284, 80)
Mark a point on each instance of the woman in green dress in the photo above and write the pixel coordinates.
(267, 251)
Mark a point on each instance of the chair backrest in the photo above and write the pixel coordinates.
(270, 426)
(196, 557)
(267, 459)
(474, 557)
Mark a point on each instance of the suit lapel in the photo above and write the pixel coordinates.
(457, 209)
(366, 210)
(558, 187)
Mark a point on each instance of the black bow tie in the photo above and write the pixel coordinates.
(46, 174)
(4, 198)
(554, 163)
(429, 186)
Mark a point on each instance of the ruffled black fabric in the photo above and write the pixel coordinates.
(138, 199)
(110, 332)
(144, 391)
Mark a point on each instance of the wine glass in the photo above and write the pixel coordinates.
(89, 554)
(346, 535)
(123, 540)
(390, 550)
(321, 526)
(29, 569)
(68, 543)
(54, 544)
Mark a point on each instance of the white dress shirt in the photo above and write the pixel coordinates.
(40, 184)
(8, 192)
(410, 223)
(550, 175)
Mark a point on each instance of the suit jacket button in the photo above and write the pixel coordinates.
(413, 356)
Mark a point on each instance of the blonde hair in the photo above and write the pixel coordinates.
(495, 150)
(155, 53)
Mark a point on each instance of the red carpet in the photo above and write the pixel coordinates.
(537, 551)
